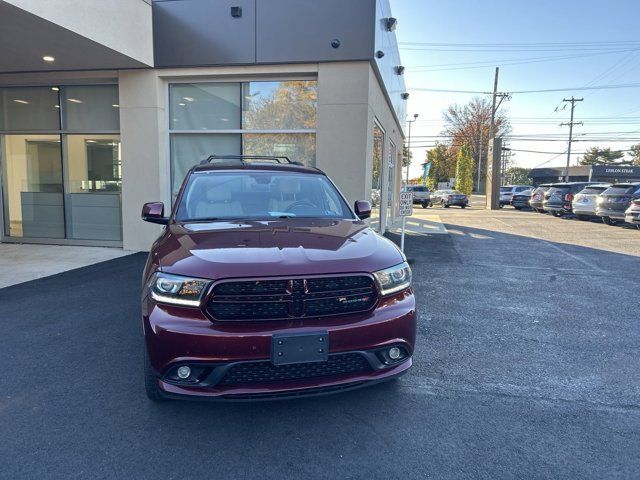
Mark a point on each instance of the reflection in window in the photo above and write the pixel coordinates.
(29, 109)
(287, 105)
(204, 106)
(90, 108)
(297, 147)
(189, 150)
(376, 175)
(94, 163)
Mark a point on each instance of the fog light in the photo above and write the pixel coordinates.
(184, 372)
(395, 353)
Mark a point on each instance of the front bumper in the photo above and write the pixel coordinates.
(181, 336)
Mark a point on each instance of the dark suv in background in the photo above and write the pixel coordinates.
(558, 199)
(615, 200)
(265, 283)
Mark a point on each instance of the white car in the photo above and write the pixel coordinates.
(508, 191)
(584, 203)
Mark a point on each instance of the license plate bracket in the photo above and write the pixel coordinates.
(299, 348)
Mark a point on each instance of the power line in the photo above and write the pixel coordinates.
(547, 90)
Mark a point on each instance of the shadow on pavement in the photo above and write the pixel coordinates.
(492, 393)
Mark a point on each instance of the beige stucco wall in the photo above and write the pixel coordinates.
(122, 25)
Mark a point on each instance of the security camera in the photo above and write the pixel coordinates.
(404, 96)
(391, 24)
(399, 70)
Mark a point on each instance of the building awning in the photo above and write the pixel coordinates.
(29, 42)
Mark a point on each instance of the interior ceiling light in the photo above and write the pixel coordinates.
(115, 105)
(57, 106)
(48, 58)
(74, 100)
(55, 89)
(24, 102)
(189, 99)
(182, 104)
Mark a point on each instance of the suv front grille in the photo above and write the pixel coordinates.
(248, 300)
(266, 372)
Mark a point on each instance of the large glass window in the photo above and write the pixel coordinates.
(90, 108)
(254, 118)
(64, 182)
(28, 109)
(189, 149)
(376, 176)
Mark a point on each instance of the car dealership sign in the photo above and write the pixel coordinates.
(615, 171)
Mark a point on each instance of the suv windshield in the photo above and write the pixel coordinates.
(259, 195)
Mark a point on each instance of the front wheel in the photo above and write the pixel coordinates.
(151, 381)
(609, 221)
(425, 204)
(556, 214)
(463, 206)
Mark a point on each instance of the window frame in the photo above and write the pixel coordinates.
(237, 131)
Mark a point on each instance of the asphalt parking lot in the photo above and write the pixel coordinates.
(526, 366)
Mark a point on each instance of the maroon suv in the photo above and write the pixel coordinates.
(264, 284)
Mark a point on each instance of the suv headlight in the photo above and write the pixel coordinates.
(177, 290)
(394, 279)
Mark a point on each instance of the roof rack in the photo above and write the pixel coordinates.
(243, 158)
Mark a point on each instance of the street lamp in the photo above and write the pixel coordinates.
(415, 117)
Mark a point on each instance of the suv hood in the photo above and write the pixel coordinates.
(234, 249)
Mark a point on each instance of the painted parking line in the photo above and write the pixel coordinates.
(423, 225)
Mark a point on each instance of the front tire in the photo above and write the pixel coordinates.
(610, 221)
(556, 214)
(425, 204)
(463, 206)
(151, 381)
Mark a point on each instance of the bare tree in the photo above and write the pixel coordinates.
(470, 124)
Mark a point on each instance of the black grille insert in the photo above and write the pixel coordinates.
(249, 300)
(266, 372)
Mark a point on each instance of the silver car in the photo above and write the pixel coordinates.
(421, 195)
(508, 191)
(584, 203)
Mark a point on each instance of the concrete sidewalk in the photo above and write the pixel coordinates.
(23, 262)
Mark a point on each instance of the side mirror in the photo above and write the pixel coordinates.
(153, 212)
(362, 209)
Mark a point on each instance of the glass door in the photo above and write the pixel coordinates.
(33, 186)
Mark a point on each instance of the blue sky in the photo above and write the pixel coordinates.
(576, 28)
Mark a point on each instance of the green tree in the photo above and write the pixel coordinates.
(443, 165)
(603, 156)
(634, 152)
(517, 176)
(464, 170)
(407, 156)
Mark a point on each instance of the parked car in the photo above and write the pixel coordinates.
(537, 197)
(557, 200)
(508, 191)
(615, 200)
(521, 200)
(632, 215)
(421, 195)
(446, 198)
(584, 202)
(265, 283)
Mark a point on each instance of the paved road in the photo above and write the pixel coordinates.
(527, 366)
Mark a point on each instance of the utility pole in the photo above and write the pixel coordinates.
(571, 123)
(415, 117)
(494, 155)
